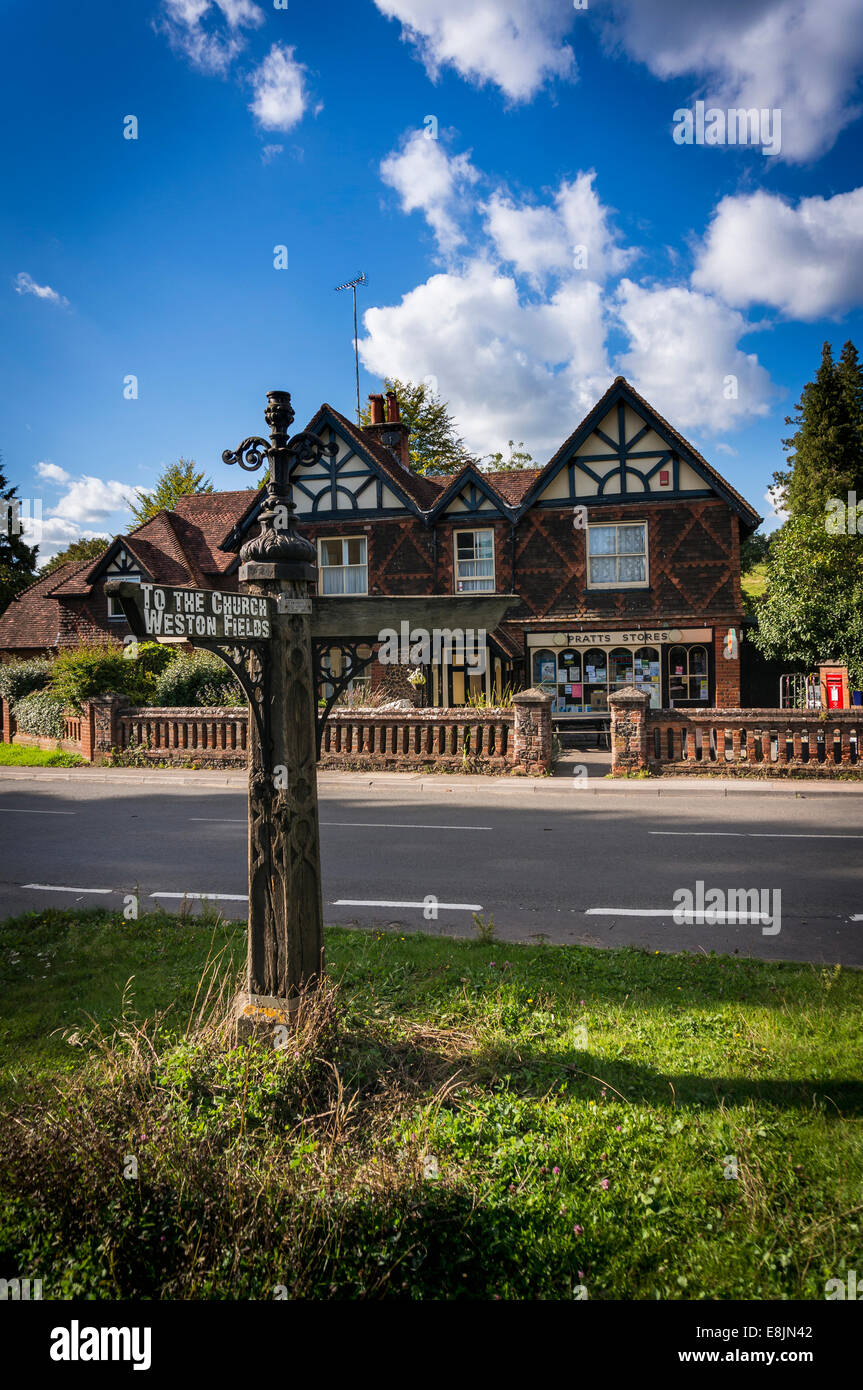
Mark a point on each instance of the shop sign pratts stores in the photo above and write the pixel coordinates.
(637, 638)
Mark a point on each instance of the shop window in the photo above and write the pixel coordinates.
(688, 675)
(343, 566)
(617, 556)
(474, 562)
(595, 679)
(545, 670)
(647, 674)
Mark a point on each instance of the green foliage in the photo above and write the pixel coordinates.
(40, 713)
(80, 673)
(87, 548)
(825, 454)
(754, 550)
(180, 479)
(18, 678)
(200, 679)
(17, 559)
(435, 446)
(579, 1107)
(518, 457)
(500, 697)
(812, 610)
(21, 755)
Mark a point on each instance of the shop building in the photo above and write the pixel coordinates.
(624, 550)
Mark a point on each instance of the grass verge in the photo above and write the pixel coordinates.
(25, 755)
(455, 1119)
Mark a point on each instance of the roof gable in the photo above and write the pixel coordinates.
(32, 620)
(624, 450)
(471, 492)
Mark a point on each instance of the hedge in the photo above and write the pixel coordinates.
(19, 678)
(200, 679)
(40, 714)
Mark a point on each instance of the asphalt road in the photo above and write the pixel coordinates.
(561, 864)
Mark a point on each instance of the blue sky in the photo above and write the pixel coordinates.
(505, 172)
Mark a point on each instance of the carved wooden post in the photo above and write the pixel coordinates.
(286, 945)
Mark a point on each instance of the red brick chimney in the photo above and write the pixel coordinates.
(391, 431)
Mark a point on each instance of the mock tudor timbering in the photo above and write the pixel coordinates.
(624, 550)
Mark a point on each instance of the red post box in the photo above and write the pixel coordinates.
(834, 686)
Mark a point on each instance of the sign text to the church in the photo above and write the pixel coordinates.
(159, 611)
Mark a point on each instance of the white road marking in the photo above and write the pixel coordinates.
(707, 916)
(857, 917)
(360, 824)
(55, 888)
(756, 834)
(383, 902)
(208, 897)
(20, 811)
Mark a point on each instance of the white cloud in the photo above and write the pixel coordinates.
(280, 95)
(427, 179)
(806, 261)
(802, 56)
(214, 48)
(722, 448)
(93, 499)
(508, 368)
(25, 284)
(52, 473)
(775, 515)
(517, 337)
(684, 357)
(574, 234)
(270, 152)
(516, 44)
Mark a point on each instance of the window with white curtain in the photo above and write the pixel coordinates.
(617, 556)
(474, 562)
(343, 566)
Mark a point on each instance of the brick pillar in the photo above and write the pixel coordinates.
(99, 731)
(629, 752)
(532, 731)
(8, 731)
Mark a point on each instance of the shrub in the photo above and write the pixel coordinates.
(83, 672)
(40, 713)
(19, 678)
(200, 679)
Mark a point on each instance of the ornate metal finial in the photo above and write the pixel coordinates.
(279, 541)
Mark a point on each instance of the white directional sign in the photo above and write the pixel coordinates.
(161, 612)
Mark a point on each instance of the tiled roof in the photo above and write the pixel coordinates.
(33, 619)
(513, 483)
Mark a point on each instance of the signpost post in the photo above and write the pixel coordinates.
(264, 635)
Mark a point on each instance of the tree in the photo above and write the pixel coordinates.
(435, 447)
(17, 559)
(85, 548)
(825, 453)
(812, 610)
(179, 479)
(518, 458)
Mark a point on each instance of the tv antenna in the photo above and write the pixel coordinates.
(352, 286)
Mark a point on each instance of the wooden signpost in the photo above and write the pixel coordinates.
(264, 635)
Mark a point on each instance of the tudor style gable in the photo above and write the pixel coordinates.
(624, 451)
(361, 480)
